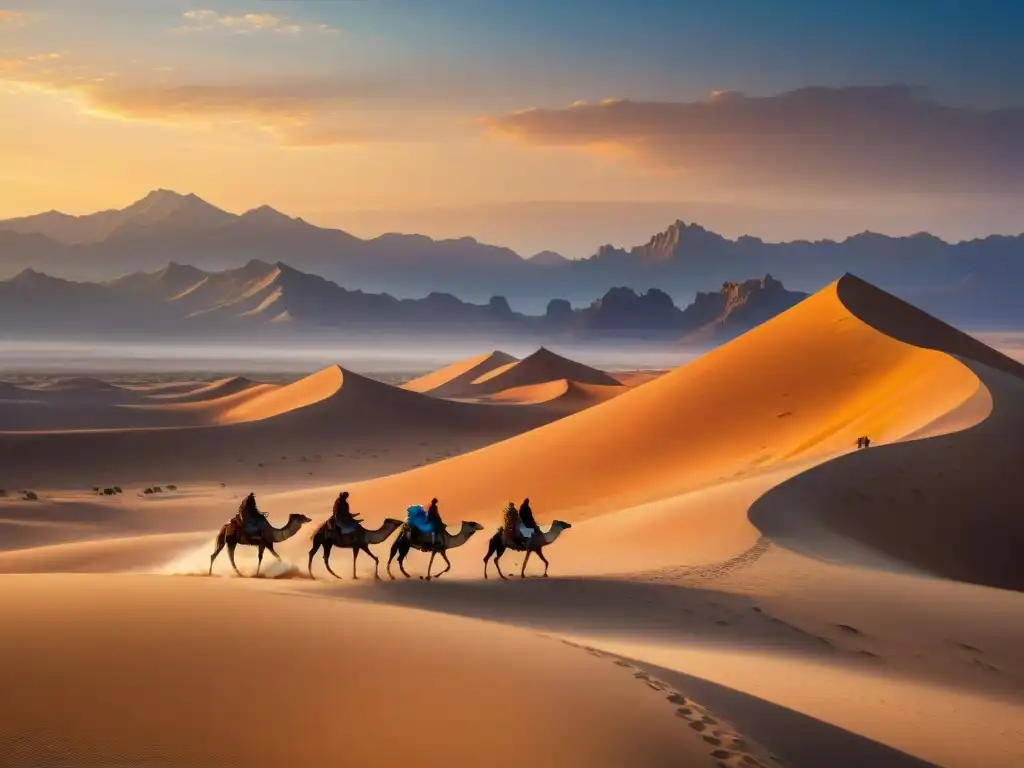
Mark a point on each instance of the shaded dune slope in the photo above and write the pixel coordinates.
(215, 389)
(950, 504)
(452, 380)
(799, 388)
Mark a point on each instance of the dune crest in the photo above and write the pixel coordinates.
(452, 380)
(541, 367)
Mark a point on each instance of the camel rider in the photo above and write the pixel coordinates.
(527, 525)
(250, 515)
(344, 520)
(510, 523)
(436, 524)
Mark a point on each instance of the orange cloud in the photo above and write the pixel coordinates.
(211, 21)
(298, 114)
(10, 18)
(892, 138)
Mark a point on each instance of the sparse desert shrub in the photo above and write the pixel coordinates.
(31, 496)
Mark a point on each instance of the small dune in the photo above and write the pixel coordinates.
(539, 368)
(453, 380)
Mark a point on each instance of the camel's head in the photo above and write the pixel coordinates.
(471, 527)
(560, 525)
(301, 519)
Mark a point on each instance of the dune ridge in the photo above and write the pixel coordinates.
(539, 368)
(453, 379)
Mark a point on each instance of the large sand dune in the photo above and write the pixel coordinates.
(798, 389)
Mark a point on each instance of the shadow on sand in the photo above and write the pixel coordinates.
(577, 605)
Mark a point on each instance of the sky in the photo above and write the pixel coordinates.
(525, 122)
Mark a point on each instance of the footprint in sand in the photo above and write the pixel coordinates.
(967, 647)
(848, 628)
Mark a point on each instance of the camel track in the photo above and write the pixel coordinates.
(726, 744)
(711, 571)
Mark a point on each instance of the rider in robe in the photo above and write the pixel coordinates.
(527, 525)
(510, 522)
(250, 515)
(436, 524)
(343, 518)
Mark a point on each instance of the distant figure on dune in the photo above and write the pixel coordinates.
(250, 516)
(863, 442)
(344, 520)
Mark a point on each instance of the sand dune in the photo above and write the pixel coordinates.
(336, 419)
(800, 388)
(539, 368)
(452, 380)
(215, 389)
(562, 393)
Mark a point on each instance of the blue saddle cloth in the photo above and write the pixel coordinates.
(416, 516)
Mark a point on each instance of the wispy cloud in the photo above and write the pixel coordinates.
(248, 23)
(10, 18)
(891, 138)
(307, 114)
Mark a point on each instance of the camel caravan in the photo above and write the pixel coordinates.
(423, 530)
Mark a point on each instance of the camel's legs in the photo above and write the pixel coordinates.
(270, 549)
(259, 560)
(522, 572)
(448, 565)
(376, 560)
(219, 547)
(231, 555)
(497, 558)
(540, 554)
(355, 556)
(433, 554)
(327, 559)
(313, 551)
(394, 549)
(492, 547)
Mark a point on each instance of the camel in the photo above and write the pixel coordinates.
(232, 534)
(328, 537)
(537, 542)
(411, 538)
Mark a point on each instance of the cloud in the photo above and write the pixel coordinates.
(212, 21)
(304, 114)
(9, 18)
(885, 138)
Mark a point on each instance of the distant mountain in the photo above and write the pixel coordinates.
(712, 317)
(266, 298)
(550, 260)
(976, 283)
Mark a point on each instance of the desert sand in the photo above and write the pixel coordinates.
(741, 585)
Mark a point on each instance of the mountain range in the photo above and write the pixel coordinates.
(261, 298)
(976, 282)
